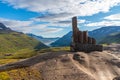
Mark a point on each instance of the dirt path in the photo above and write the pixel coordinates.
(62, 68)
(93, 66)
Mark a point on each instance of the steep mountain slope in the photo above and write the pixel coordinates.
(64, 41)
(12, 41)
(112, 38)
(4, 29)
(98, 34)
(46, 41)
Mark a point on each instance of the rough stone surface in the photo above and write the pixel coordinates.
(81, 41)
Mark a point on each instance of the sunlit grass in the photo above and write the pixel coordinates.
(13, 42)
(6, 61)
(24, 73)
(18, 74)
(104, 44)
(22, 54)
(21, 74)
(4, 76)
(55, 49)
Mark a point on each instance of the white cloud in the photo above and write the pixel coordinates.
(59, 12)
(54, 17)
(111, 20)
(81, 21)
(64, 23)
(50, 30)
(104, 23)
(44, 28)
(71, 8)
(113, 17)
(28, 26)
(16, 24)
(64, 9)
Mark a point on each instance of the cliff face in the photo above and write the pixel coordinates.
(4, 28)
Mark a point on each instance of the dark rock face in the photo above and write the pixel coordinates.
(2, 26)
(76, 57)
(116, 78)
(4, 29)
(81, 41)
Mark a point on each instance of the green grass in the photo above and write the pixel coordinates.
(54, 49)
(12, 42)
(18, 46)
(18, 74)
(27, 53)
(21, 74)
(25, 73)
(113, 38)
(21, 54)
(4, 76)
(6, 61)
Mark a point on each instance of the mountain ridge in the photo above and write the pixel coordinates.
(13, 41)
(98, 34)
(44, 40)
(4, 29)
(112, 38)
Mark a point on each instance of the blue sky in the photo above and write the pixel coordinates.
(53, 18)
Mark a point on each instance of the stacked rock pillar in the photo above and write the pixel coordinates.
(75, 29)
(89, 40)
(81, 40)
(80, 37)
(93, 41)
(85, 37)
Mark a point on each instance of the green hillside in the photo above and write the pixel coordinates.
(14, 41)
(112, 38)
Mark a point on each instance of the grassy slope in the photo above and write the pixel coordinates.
(20, 46)
(13, 47)
(112, 38)
(21, 74)
(54, 49)
(18, 43)
(25, 73)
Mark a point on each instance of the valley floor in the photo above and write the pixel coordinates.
(67, 66)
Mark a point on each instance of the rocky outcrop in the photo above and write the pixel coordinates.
(3, 27)
(72, 65)
(81, 41)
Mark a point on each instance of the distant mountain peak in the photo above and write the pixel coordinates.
(32, 35)
(98, 34)
(46, 41)
(4, 28)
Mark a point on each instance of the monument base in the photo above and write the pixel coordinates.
(85, 47)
